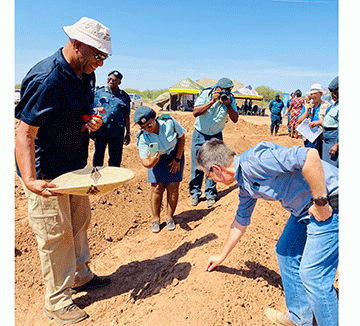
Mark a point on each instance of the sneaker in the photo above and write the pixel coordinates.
(194, 201)
(170, 224)
(70, 314)
(155, 227)
(95, 283)
(210, 202)
(277, 317)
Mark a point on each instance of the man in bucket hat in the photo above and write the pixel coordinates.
(315, 111)
(56, 115)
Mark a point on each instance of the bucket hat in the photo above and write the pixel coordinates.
(90, 32)
(317, 88)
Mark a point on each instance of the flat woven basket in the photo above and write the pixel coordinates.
(80, 182)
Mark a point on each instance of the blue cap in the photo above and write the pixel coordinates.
(143, 114)
(225, 83)
(116, 74)
(277, 94)
(334, 84)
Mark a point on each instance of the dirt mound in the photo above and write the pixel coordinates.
(160, 279)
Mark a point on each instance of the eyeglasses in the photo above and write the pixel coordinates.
(98, 56)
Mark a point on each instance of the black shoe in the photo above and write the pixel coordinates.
(95, 283)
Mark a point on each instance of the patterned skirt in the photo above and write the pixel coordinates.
(294, 114)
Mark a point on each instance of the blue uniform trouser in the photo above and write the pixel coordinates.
(308, 256)
(275, 122)
(115, 145)
(197, 176)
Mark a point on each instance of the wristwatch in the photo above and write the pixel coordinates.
(177, 159)
(320, 201)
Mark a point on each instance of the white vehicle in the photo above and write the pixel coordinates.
(136, 101)
(17, 96)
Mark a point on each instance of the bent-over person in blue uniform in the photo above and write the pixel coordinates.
(166, 165)
(307, 250)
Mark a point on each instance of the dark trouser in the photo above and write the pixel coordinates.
(275, 123)
(197, 176)
(318, 143)
(115, 145)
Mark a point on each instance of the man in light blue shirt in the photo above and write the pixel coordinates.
(211, 110)
(307, 250)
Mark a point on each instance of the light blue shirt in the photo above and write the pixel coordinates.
(169, 132)
(331, 119)
(274, 172)
(214, 119)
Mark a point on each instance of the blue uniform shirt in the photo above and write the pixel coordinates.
(276, 107)
(214, 119)
(274, 172)
(116, 104)
(169, 132)
(56, 100)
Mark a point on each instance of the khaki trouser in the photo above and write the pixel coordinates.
(60, 224)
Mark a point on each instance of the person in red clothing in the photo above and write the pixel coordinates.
(295, 109)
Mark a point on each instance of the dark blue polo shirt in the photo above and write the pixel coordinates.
(55, 99)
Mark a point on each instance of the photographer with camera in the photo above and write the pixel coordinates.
(211, 110)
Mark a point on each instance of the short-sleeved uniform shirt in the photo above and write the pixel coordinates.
(117, 105)
(169, 132)
(276, 107)
(56, 100)
(274, 172)
(213, 120)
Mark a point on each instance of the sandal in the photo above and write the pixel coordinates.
(155, 227)
(170, 224)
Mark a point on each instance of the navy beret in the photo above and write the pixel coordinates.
(334, 84)
(225, 83)
(143, 114)
(116, 74)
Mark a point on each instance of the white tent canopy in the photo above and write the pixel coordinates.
(248, 90)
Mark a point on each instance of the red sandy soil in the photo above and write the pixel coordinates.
(160, 279)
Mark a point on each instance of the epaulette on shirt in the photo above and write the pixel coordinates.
(164, 116)
(138, 136)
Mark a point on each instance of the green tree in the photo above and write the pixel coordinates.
(268, 93)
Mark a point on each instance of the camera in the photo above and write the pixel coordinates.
(224, 94)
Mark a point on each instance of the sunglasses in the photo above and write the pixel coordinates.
(98, 56)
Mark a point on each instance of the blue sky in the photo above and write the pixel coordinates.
(279, 43)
